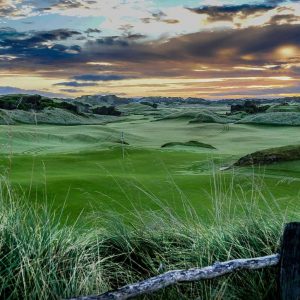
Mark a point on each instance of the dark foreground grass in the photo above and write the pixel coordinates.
(40, 258)
(271, 156)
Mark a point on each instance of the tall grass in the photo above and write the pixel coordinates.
(41, 258)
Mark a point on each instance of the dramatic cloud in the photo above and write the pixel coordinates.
(254, 45)
(95, 77)
(65, 4)
(41, 46)
(9, 37)
(76, 84)
(151, 47)
(260, 92)
(228, 12)
(10, 8)
(159, 17)
(6, 90)
(92, 30)
(71, 91)
(49, 5)
(284, 19)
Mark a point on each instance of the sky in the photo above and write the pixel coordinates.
(211, 49)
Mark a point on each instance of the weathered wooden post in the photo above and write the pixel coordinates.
(289, 278)
(288, 261)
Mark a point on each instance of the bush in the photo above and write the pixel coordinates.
(106, 110)
(249, 107)
(33, 102)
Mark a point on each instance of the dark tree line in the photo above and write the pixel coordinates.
(106, 110)
(249, 107)
(33, 102)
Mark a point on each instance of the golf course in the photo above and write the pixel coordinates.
(149, 150)
(125, 191)
(86, 169)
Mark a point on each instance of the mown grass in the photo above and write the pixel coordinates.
(91, 183)
(42, 258)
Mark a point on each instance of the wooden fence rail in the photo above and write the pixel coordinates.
(288, 261)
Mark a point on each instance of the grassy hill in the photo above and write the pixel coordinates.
(273, 118)
(109, 205)
(82, 167)
(270, 156)
(35, 109)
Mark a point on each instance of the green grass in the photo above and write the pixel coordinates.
(78, 217)
(92, 183)
(41, 258)
(82, 168)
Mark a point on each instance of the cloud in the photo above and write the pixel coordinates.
(228, 12)
(10, 37)
(234, 52)
(284, 19)
(92, 30)
(58, 4)
(135, 36)
(159, 16)
(225, 47)
(25, 8)
(296, 69)
(54, 35)
(276, 2)
(100, 77)
(76, 84)
(113, 41)
(6, 90)
(256, 45)
(39, 46)
(261, 92)
(71, 91)
(66, 4)
(171, 21)
(10, 8)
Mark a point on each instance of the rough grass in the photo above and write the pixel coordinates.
(180, 115)
(284, 108)
(55, 116)
(208, 116)
(273, 118)
(269, 156)
(188, 144)
(41, 258)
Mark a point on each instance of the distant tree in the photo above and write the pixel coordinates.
(33, 102)
(106, 110)
(249, 107)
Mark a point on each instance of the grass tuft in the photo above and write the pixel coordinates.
(42, 258)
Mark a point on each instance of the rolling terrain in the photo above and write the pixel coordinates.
(115, 192)
(86, 169)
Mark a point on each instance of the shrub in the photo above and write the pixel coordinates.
(106, 110)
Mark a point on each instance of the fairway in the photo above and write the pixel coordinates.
(85, 170)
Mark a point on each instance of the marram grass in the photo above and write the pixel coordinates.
(41, 258)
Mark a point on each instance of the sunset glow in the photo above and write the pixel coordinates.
(137, 48)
